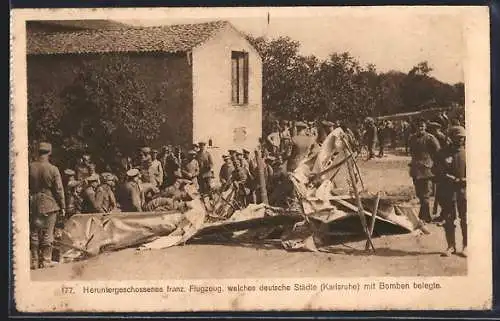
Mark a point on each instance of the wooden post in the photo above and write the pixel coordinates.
(373, 219)
(262, 177)
(358, 200)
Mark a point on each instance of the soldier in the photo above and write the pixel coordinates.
(370, 136)
(382, 136)
(130, 198)
(206, 164)
(89, 202)
(424, 149)
(69, 176)
(302, 144)
(232, 155)
(273, 139)
(82, 167)
(453, 160)
(74, 201)
(191, 168)
(226, 171)
(104, 195)
(46, 202)
(155, 169)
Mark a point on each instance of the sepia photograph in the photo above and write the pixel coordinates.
(298, 152)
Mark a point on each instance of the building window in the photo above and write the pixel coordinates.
(239, 77)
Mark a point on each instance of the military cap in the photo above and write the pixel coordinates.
(93, 178)
(327, 123)
(192, 152)
(202, 143)
(434, 124)
(231, 151)
(245, 151)
(91, 165)
(133, 172)
(69, 172)
(238, 153)
(45, 147)
(154, 151)
(457, 131)
(107, 177)
(225, 157)
(73, 184)
(146, 149)
(301, 124)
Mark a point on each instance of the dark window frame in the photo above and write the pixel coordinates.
(239, 78)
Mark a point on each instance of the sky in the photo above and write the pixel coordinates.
(395, 40)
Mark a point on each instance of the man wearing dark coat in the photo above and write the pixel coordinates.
(47, 200)
(424, 150)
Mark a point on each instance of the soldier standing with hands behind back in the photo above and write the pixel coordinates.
(46, 202)
(424, 149)
(453, 160)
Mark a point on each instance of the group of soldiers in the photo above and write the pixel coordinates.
(149, 182)
(155, 181)
(438, 167)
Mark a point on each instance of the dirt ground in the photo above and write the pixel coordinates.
(412, 254)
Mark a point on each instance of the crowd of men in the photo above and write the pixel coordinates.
(155, 180)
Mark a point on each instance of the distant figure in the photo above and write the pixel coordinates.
(206, 164)
(274, 140)
(155, 169)
(82, 168)
(191, 168)
(370, 136)
(46, 202)
(382, 137)
(424, 150)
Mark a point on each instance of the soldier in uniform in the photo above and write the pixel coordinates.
(424, 150)
(74, 201)
(46, 202)
(226, 171)
(301, 146)
(89, 202)
(69, 176)
(191, 168)
(130, 196)
(206, 164)
(82, 169)
(453, 174)
(155, 169)
(370, 136)
(104, 195)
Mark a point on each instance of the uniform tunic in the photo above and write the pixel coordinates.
(130, 197)
(46, 199)
(105, 199)
(46, 188)
(89, 201)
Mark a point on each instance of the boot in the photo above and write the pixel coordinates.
(34, 264)
(47, 257)
(449, 231)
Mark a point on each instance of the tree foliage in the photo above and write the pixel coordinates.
(340, 88)
(108, 106)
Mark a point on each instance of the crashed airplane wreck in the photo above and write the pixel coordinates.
(325, 204)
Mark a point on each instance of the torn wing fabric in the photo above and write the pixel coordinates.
(91, 234)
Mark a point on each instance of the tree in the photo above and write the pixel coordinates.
(109, 106)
